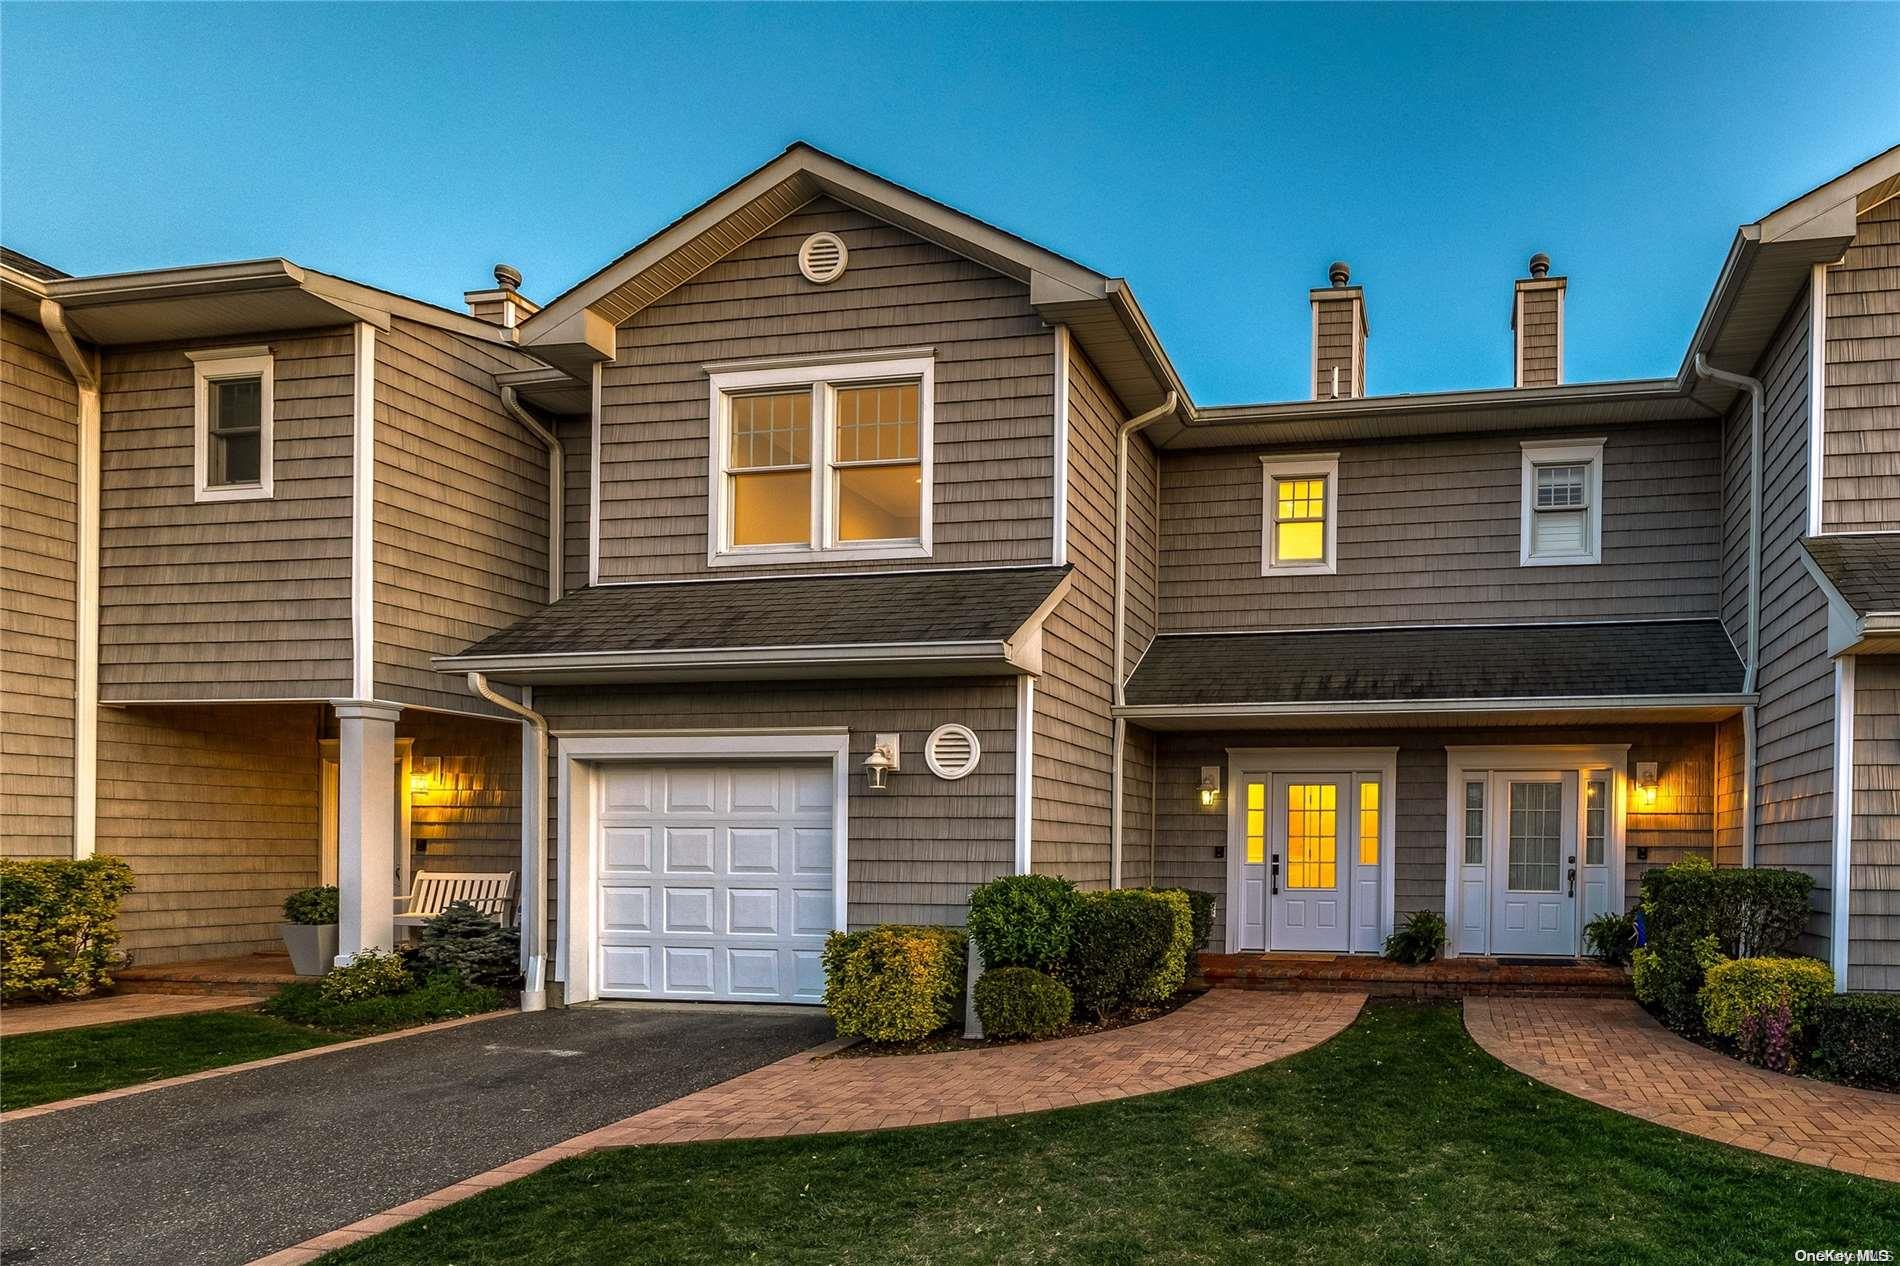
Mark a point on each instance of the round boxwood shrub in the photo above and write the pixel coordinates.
(1171, 974)
(1021, 1002)
(1024, 921)
(1120, 942)
(1736, 988)
(894, 982)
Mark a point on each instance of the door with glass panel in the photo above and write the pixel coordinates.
(1311, 860)
(1534, 863)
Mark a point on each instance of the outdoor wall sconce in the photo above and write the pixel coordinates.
(882, 762)
(424, 773)
(1646, 780)
(1210, 785)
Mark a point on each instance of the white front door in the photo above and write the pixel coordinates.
(1311, 823)
(1534, 863)
(716, 880)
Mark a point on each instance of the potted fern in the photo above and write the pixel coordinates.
(309, 930)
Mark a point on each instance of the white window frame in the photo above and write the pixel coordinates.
(215, 365)
(1273, 470)
(822, 378)
(1556, 453)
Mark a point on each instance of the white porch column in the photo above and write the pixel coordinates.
(366, 826)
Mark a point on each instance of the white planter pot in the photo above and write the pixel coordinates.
(312, 946)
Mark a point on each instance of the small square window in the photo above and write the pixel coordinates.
(1562, 519)
(1300, 527)
(232, 410)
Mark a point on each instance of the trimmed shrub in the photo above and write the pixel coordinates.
(1741, 987)
(312, 907)
(1751, 913)
(1611, 937)
(1172, 973)
(894, 982)
(470, 945)
(1202, 903)
(442, 997)
(1024, 921)
(1418, 940)
(59, 931)
(1021, 1002)
(1857, 1038)
(1121, 938)
(371, 974)
(1667, 976)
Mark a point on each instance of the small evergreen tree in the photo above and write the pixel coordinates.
(463, 940)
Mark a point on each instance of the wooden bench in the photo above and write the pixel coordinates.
(491, 892)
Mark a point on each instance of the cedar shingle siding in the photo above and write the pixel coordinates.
(39, 464)
(1861, 478)
(994, 452)
(1537, 337)
(1873, 932)
(225, 599)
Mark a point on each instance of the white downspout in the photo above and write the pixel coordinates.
(1120, 626)
(557, 477)
(534, 853)
(1752, 662)
(86, 521)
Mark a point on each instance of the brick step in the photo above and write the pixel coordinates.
(1377, 977)
(248, 976)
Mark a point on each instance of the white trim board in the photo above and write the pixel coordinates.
(1817, 398)
(577, 757)
(593, 476)
(363, 517)
(1059, 481)
(1025, 773)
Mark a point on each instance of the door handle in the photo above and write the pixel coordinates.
(1274, 889)
(1573, 881)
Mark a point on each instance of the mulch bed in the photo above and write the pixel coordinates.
(951, 1038)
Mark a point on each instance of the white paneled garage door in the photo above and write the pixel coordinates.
(716, 880)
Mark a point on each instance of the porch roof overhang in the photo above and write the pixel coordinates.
(1859, 575)
(941, 622)
(1677, 670)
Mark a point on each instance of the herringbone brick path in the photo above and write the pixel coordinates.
(1222, 1032)
(1610, 1052)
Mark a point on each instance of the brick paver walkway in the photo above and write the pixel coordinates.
(52, 1016)
(1223, 1032)
(1610, 1052)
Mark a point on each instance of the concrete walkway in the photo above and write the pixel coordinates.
(1612, 1053)
(1223, 1032)
(218, 1171)
(52, 1016)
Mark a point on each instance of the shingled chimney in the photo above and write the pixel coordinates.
(1339, 337)
(1537, 324)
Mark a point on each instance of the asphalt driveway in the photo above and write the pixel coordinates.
(223, 1171)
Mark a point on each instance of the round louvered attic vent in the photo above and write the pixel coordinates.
(822, 258)
(951, 751)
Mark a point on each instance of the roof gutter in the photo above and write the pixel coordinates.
(1751, 661)
(1118, 667)
(534, 853)
(557, 476)
(1405, 707)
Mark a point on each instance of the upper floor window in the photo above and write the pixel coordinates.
(824, 461)
(231, 423)
(1561, 503)
(1300, 532)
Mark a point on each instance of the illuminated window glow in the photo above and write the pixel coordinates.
(1596, 816)
(1256, 823)
(1368, 824)
(1312, 835)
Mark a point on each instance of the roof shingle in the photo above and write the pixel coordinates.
(873, 608)
(1864, 568)
(1537, 661)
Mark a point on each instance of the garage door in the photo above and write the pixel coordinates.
(716, 881)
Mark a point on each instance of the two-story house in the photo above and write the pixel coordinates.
(891, 555)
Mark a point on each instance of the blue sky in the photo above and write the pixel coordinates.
(1217, 156)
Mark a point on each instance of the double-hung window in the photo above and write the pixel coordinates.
(1562, 503)
(1299, 535)
(828, 461)
(232, 418)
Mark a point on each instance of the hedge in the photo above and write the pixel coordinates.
(1857, 1039)
(1741, 987)
(1121, 939)
(1751, 912)
(441, 998)
(1168, 977)
(1024, 921)
(1667, 976)
(1021, 1002)
(894, 982)
(59, 931)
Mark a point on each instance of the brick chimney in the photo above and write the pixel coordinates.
(504, 305)
(1537, 325)
(1339, 337)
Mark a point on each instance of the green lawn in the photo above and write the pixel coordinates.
(1398, 1142)
(43, 1067)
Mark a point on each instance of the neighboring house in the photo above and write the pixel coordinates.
(892, 556)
